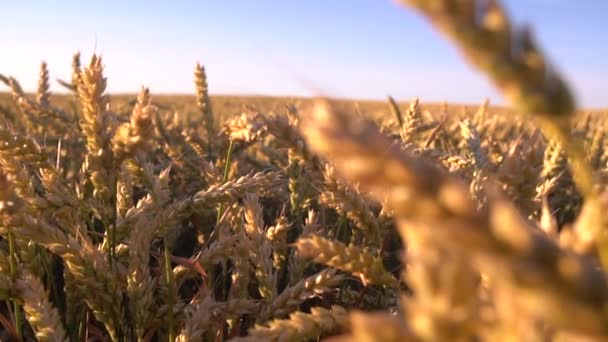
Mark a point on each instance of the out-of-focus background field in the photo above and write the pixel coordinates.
(226, 106)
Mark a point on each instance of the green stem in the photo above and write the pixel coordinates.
(169, 280)
(112, 245)
(227, 166)
(225, 178)
(13, 271)
(209, 147)
(219, 209)
(113, 222)
(82, 326)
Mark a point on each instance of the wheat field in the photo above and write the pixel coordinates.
(226, 218)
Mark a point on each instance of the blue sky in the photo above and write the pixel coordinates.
(355, 48)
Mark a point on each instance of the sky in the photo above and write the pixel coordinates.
(365, 49)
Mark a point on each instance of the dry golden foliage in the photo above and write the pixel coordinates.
(137, 219)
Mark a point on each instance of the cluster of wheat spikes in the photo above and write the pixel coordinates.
(140, 225)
